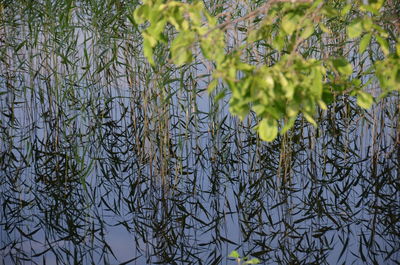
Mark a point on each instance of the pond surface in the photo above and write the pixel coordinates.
(104, 160)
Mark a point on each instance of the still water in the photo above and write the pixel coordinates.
(104, 160)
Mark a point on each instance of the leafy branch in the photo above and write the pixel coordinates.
(294, 85)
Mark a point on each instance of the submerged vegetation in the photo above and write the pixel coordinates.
(107, 158)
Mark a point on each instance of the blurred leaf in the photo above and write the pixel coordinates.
(367, 23)
(307, 32)
(364, 100)
(252, 261)
(268, 129)
(322, 105)
(310, 119)
(324, 28)
(140, 14)
(384, 44)
(343, 66)
(156, 29)
(365, 42)
(316, 85)
(278, 42)
(289, 23)
(345, 10)
(354, 29)
(213, 84)
(376, 4)
(148, 51)
(234, 254)
(181, 51)
(288, 125)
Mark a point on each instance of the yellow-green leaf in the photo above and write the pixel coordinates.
(324, 28)
(322, 105)
(289, 23)
(148, 51)
(252, 261)
(343, 66)
(268, 129)
(376, 4)
(140, 14)
(289, 124)
(234, 254)
(384, 44)
(367, 23)
(292, 110)
(354, 29)
(310, 119)
(307, 32)
(364, 100)
(213, 84)
(316, 85)
(365, 42)
(345, 10)
(181, 52)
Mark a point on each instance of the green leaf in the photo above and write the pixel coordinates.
(316, 85)
(324, 28)
(252, 261)
(259, 109)
(376, 4)
(292, 110)
(212, 21)
(181, 52)
(234, 254)
(346, 9)
(213, 84)
(278, 42)
(155, 13)
(157, 28)
(364, 100)
(365, 42)
(148, 51)
(213, 45)
(253, 36)
(384, 44)
(268, 129)
(343, 66)
(140, 14)
(289, 91)
(310, 119)
(195, 13)
(220, 95)
(289, 124)
(354, 29)
(269, 81)
(367, 23)
(289, 23)
(152, 41)
(307, 32)
(322, 105)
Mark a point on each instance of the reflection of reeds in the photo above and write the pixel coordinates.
(94, 139)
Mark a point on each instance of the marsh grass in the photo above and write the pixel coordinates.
(96, 144)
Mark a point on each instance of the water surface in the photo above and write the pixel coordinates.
(105, 160)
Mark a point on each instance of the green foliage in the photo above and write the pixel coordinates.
(235, 255)
(294, 84)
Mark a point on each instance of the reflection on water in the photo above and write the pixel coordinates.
(104, 160)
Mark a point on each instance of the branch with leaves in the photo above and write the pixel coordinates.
(297, 83)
